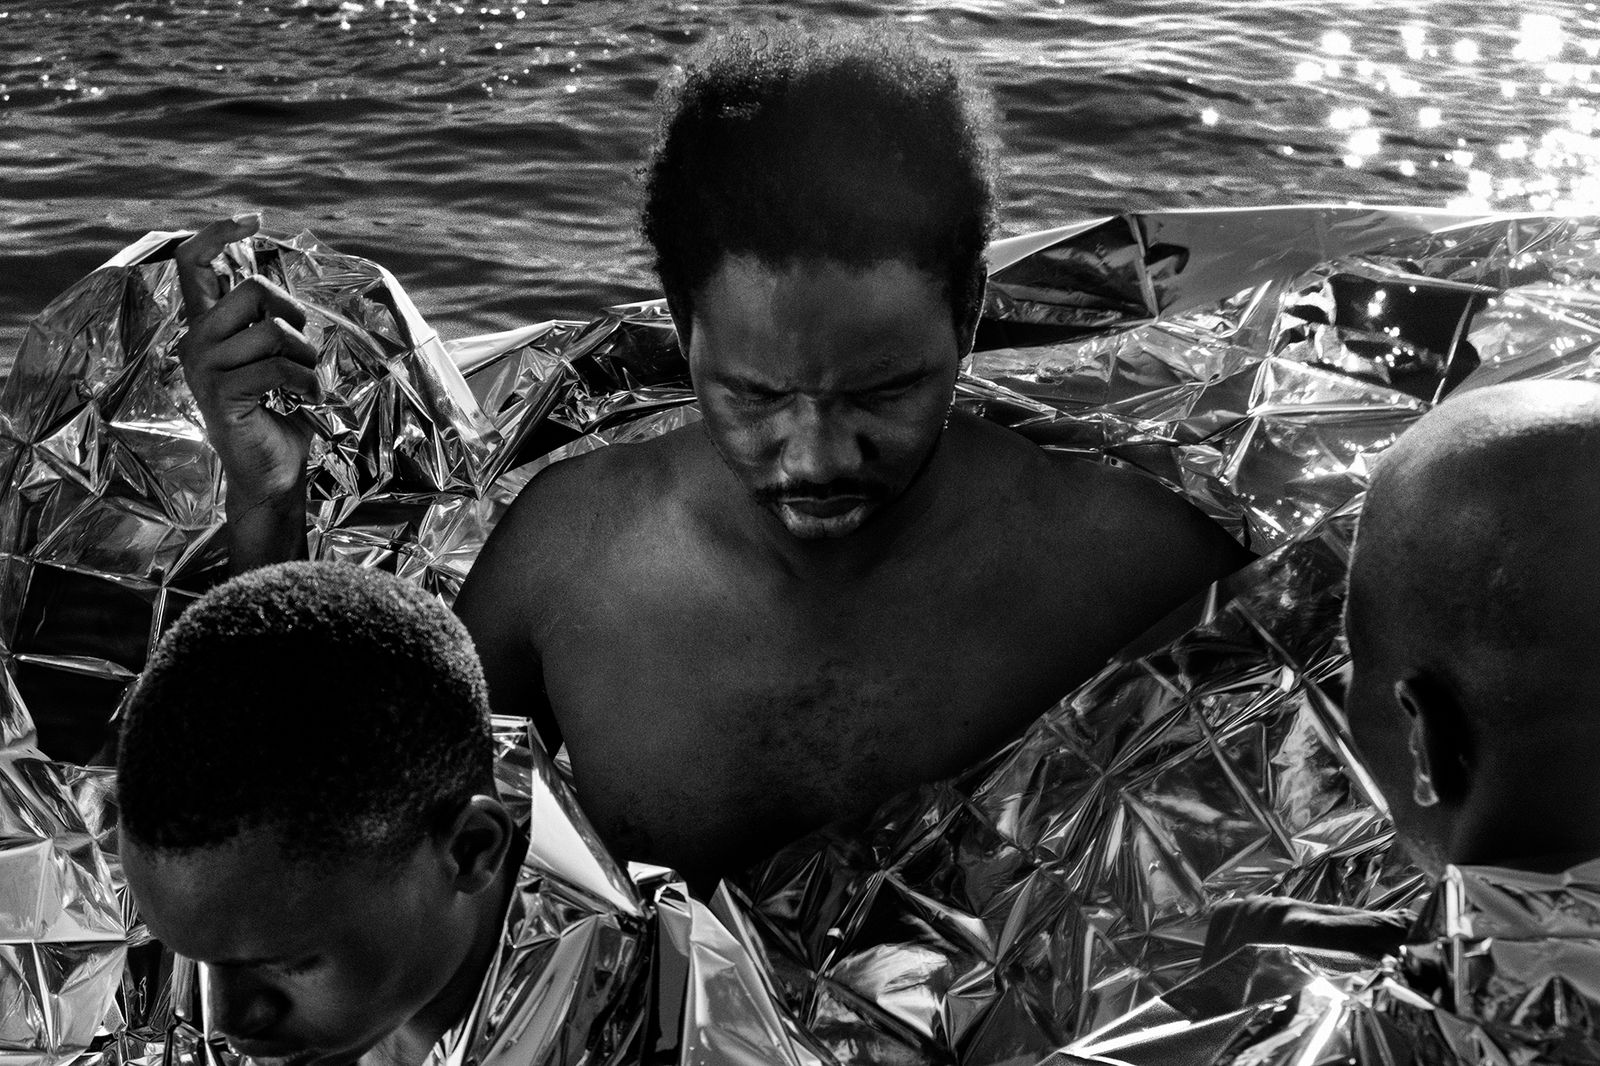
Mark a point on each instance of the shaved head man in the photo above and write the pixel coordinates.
(1474, 626)
(1473, 618)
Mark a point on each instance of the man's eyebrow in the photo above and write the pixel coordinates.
(908, 377)
(733, 377)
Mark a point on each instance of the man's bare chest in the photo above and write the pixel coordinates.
(747, 666)
(731, 712)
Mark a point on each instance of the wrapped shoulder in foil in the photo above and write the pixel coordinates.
(1254, 361)
(1504, 967)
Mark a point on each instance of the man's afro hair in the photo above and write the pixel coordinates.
(854, 146)
(342, 709)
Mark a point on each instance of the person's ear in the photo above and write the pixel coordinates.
(1441, 755)
(967, 332)
(479, 842)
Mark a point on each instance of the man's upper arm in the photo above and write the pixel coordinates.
(1214, 552)
(503, 601)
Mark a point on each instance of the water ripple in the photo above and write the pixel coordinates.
(485, 151)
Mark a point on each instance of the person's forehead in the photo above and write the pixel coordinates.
(865, 318)
(743, 288)
(248, 901)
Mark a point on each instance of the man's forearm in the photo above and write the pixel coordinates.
(263, 531)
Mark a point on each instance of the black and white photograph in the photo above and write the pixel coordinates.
(843, 533)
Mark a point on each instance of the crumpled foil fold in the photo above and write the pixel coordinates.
(1255, 361)
(65, 934)
(1503, 967)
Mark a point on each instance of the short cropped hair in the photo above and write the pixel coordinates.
(341, 709)
(856, 147)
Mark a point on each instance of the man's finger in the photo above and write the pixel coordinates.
(252, 381)
(197, 279)
(255, 300)
(297, 347)
(273, 336)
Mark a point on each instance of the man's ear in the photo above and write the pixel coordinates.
(967, 332)
(479, 842)
(1441, 748)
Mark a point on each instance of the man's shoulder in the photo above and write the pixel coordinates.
(587, 500)
(566, 525)
(598, 489)
(1016, 469)
(1077, 502)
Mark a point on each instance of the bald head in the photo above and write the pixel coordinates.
(1480, 541)
(1474, 611)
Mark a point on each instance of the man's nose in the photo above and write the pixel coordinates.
(242, 1006)
(821, 443)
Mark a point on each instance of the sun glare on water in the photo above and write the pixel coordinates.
(1397, 116)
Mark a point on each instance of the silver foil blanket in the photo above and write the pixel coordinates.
(1255, 361)
(1504, 968)
(65, 937)
(993, 917)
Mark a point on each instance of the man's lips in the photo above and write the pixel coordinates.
(262, 1051)
(822, 506)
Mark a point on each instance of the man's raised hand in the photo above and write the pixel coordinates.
(241, 345)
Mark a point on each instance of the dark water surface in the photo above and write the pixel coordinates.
(485, 152)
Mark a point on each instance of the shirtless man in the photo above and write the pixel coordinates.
(831, 589)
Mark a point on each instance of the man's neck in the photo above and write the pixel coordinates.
(1500, 831)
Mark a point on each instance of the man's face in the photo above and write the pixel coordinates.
(299, 963)
(824, 387)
